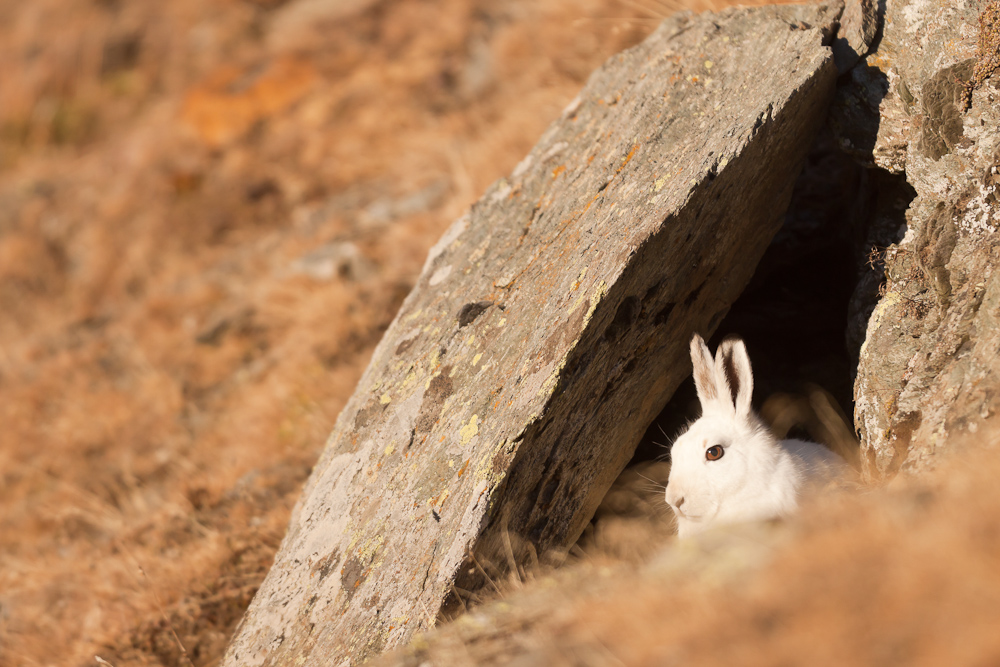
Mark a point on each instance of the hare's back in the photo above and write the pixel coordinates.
(816, 462)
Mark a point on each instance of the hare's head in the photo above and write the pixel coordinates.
(721, 467)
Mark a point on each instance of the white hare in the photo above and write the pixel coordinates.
(728, 467)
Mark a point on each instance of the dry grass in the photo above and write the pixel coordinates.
(209, 211)
(908, 574)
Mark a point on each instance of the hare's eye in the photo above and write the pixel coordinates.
(714, 453)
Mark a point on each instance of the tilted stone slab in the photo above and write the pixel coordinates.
(930, 364)
(549, 326)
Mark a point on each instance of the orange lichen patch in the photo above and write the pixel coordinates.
(232, 99)
(558, 170)
(628, 158)
(438, 501)
(591, 202)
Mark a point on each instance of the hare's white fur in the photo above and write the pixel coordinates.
(757, 477)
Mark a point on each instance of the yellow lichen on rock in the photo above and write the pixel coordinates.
(470, 430)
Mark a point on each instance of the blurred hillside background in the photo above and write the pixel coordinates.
(209, 212)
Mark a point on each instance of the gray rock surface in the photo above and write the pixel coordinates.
(858, 27)
(930, 367)
(549, 326)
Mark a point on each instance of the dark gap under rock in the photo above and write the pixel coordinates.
(803, 315)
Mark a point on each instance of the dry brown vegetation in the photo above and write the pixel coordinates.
(209, 211)
(908, 574)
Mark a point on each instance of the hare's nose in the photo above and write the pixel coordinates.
(674, 499)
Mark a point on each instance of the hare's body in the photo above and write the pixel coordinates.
(728, 467)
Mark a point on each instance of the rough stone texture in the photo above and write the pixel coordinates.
(858, 27)
(854, 114)
(930, 366)
(549, 326)
(879, 224)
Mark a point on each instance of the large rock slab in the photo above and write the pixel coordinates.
(549, 326)
(930, 364)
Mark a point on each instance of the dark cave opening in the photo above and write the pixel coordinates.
(803, 318)
(803, 314)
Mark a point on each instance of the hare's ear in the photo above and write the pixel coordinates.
(703, 369)
(734, 375)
